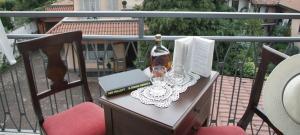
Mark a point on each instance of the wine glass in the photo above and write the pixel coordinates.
(158, 81)
(176, 75)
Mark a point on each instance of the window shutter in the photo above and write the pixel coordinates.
(97, 5)
(82, 5)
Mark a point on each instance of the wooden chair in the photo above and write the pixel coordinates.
(83, 119)
(269, 55)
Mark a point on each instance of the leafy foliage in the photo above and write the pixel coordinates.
(228, 53)
(284, 30)
(20, 5)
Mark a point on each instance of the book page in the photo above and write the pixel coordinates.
(180, 51)
(201, 56)
(195, 54)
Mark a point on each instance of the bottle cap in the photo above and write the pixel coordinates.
(158, 37)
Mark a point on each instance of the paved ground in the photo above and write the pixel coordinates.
(13, 110)
(232, 107)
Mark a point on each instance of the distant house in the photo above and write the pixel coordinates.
(111, 56)
(271, 6)
(282, 6)
(45, 24)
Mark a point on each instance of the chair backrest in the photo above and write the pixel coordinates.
(56, 70)
(268, 56)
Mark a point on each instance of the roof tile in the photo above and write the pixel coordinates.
(121, 27)
(60, 8)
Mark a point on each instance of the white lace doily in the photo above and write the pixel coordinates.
(171, 91)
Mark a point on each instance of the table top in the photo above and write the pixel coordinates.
(169, 117)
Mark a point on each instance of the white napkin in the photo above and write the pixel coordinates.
(5, 46)
(195, 54)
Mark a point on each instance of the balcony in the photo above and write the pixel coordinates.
(231, 92)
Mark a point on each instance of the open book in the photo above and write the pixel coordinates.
(195, 54)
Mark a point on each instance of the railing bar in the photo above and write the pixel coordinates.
(98, 63)
(16, 96)
(232, 94)
(21, 95)
(24, 114)
(268, 39)
(76, 52)
(73, 56)
(262, 123)
(222, 65)
(36, 126)
(241, 67)
(147, 14)
(215, 90)
(2, 103)
(219, 97)
(148, 49)
(141, 27)
(269, 130)
(71, 94)
(94, 46)
(134, 48)
(105, 59)
(70, 91)
(47, 83)
(55, 102)
(251, 127)
(68, 76)
(127, 48)
(12, 120)
(26, 117)
(213, 101)
(4, 123)
(66, 97)
(8, 109)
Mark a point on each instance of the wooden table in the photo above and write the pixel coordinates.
(125, 115)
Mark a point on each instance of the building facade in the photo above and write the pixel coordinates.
(271, 6)
(101, 55)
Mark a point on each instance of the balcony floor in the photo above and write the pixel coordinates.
(230, 85)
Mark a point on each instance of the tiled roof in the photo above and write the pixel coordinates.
(64, 2)
(121, 27)
(265, 2)
(292, 4)
(61, 5)
(60, 8)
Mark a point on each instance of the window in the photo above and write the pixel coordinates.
(89, 5)
(92, 51)
(113, 4)
(235, 4)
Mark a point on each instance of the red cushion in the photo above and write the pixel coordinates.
(83, 119)
(224, 130)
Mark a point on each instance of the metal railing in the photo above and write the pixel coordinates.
(229, 98)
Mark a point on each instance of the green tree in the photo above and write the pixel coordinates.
(20, 5)
(7, 5)
(284, 30)
(201, 27)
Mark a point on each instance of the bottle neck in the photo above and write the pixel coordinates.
(157, 43)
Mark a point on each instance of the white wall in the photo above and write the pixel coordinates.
(295, 30)
(132, 3)
(242, 3)
(29, 28)
(26, 29)
(230, 3)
